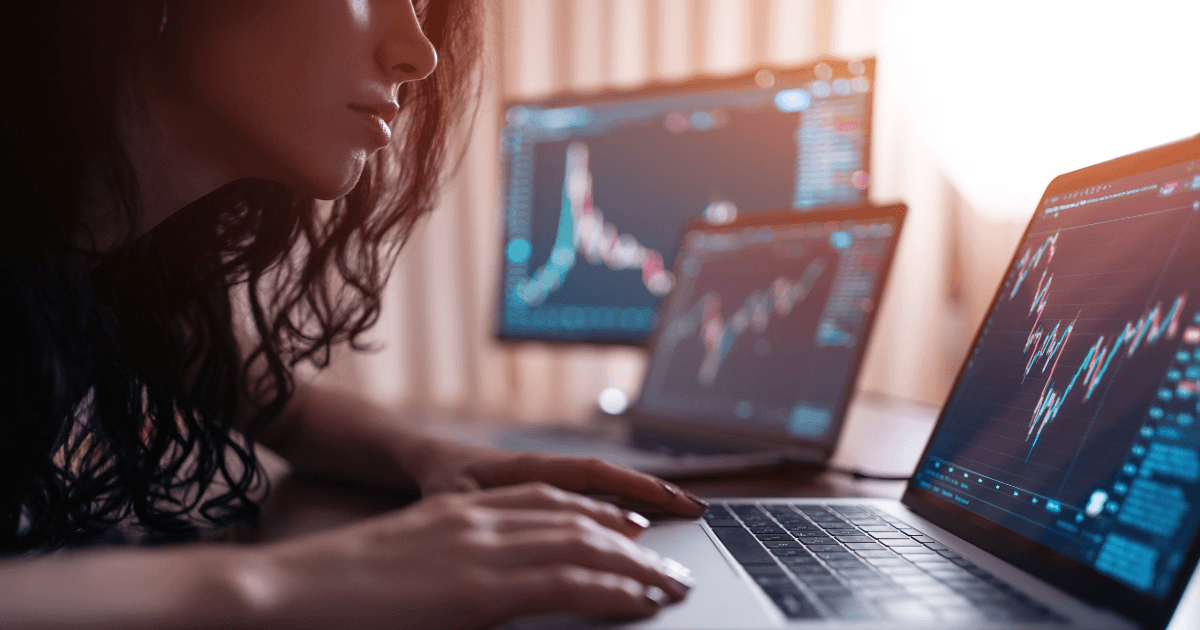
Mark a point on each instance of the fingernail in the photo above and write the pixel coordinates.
(637, 520)
(673, 567)
(696, 499)
(679, 586)
(670, 489)
(656, 597)
(678, 576)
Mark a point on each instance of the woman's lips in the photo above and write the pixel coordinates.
(377, 125)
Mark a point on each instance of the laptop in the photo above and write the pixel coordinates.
(790, 294)
(1060, 487)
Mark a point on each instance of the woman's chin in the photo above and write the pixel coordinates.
(335, 183)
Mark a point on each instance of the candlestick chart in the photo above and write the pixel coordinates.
(718, 333)
(1047, 349)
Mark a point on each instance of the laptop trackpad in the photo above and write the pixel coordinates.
(721, 599)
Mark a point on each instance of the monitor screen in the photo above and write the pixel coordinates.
(791, 300)
(1073, 423)
(598, 188)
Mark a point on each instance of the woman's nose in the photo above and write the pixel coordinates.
(405, 53)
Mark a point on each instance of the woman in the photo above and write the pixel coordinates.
(165, 156)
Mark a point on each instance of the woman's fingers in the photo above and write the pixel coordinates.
(593, 548)
(594, 476)
(566, 588)
(542, 496)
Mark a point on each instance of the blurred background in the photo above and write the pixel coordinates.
(977, 106)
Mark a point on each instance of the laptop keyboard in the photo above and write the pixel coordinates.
(852, 562)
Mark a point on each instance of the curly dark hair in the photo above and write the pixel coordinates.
(121, 377)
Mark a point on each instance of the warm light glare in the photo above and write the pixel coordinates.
(1012, 95)
(613, 401)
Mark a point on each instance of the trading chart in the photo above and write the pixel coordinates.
(597, 192)
(792, 302)
(1074, 421)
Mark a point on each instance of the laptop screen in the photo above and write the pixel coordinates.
(1073, 423)
(767, 321)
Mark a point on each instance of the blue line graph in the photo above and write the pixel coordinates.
(583, 230)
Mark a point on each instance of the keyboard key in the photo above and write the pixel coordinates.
(766, 530)
(855, 539)
(903, 569)
(822, 582)
(915, 553)
(936, 546)
(881, 552)
(833, 555)
(923, 539)
(820, 586)
(717, 511)
(770, 537)
(888, 535)
(843, 532)
(906, 610)
(845, 607)
(806, 569)
(866, 546)
(763, 569)
(769, 581)
(806, 559)
(824, 548)
(906, 542)
(867, 584)
(914, 581)
(851, 573)
(958, 614)
(794, 605)
(877, 528)
(810, 541)
(790, 551)
(933, 589)
(722, 522)
(742, 545)
(781, 544)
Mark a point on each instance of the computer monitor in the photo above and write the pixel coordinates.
(599, 187)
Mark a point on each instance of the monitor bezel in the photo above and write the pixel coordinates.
(1049, 565)
(658, 428)
(697, 84)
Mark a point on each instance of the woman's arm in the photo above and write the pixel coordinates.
(453, 562)
(129, 589)
(327, 431)
(337, 433)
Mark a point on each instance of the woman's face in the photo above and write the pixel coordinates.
(297, 91)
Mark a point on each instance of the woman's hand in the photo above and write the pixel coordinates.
(445, 466)
(467, 560)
